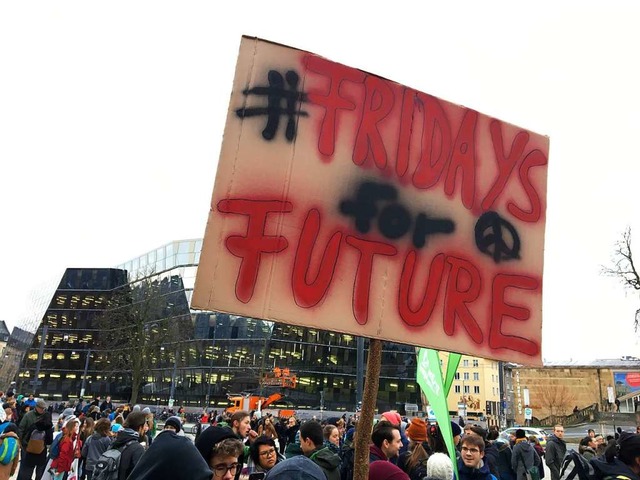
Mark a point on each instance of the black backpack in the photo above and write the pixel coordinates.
(108, 465)
(575, 465)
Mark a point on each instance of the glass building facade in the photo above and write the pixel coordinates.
(215, 354)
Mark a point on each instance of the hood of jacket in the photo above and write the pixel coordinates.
(125, 435)
(326, 458)
(525, 447)
(615, 469)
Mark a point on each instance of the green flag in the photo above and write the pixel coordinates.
(429, 377)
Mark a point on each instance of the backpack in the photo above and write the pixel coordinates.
(575, 465)
(8, 449)
(36, 441)
(54, 452)
(108, 465)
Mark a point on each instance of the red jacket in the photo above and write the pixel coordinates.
(67, 454)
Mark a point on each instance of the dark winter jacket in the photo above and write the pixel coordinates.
(328, 461)
(95, 446)
(553, 456)
(612, 470)
(523, 458)
(131, 454)
(587, 452)
(503, 463)
(491, 458)
(467, 473)
(159, 461)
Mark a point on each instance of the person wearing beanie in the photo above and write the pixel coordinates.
(414, 461)
(171, 456)
(381, 470)
(523, 457)
(436, 439)
(296, 468)
(439, 467)
(173, 423)
(221, 448)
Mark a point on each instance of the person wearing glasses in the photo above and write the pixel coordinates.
(264, 454)
(470, 465)
(220, 448)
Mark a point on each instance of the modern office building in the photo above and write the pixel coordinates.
(193, 355)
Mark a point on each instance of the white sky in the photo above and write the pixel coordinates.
(112, 113)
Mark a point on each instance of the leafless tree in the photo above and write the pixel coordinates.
(623, 268)
(557, 399)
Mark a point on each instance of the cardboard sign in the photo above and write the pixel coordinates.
(347, 202)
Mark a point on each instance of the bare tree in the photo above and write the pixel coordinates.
(623, 268)
(142, 318)
(557, 399)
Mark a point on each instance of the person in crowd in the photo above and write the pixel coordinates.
(601, 445)
(281, 430)
(171, 456)
(621, 459)
(592, 433)
(394, 418)
(587, 447)
(96, 445)
(383, 470)
(331, 436)
(439, 467)
(436, 440)
(151, 423)
(555, 452)
(267, 429)
(6, 417)
(86, 430)
(264, 454)
(69, 450)
(386, 442)
(414, 461)
(490, 450)
(291, 430)
(107, 404)
(128, 440)
(296, 468)
(220, 447)
(523, 457)
(503, 460)
(470, 465)
(535, 443)
(42, 423)
(312, 444)
(9, 448)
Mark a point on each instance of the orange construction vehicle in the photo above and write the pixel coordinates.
(251, 402)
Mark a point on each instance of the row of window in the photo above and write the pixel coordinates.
(476, 376)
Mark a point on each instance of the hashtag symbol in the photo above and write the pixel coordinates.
(276, 93)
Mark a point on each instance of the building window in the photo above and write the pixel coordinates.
(476, 389)
(457, 376)
(475, 362)
(466, 389)
(476, 376)
(465, 363)
(466, 375)
(456, 388)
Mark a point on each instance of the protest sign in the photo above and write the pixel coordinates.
(347, 202)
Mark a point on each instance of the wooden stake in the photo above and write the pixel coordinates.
(369, 397)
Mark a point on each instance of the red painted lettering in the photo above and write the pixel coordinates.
(251, 246)
(500, 309)
(533, 159)
(307, 294)
(458, 295)
(436, 143)
(463, 158)
(506, 163)
(362, 284)
(331, 100)
(379, 101)
(404, 136)
(420, 316)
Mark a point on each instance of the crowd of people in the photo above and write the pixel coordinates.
(99, 441)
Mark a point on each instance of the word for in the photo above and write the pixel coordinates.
(276, 93)
(394, 220)
(462, 281)
(423, 136)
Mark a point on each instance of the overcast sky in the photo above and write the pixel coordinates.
(112, 113)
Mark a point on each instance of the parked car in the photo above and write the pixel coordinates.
(540, 434)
